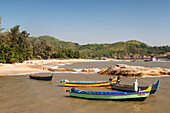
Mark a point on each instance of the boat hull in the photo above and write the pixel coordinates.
(119, 96)
(112, 97)
(130, 88)
(46, 78)
(88, 83)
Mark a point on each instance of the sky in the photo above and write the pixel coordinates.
(91, 21)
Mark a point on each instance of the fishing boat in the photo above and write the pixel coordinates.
(88, 83)
(121, 96)
(37, 77)
(130, 88)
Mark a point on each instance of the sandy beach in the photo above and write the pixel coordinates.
(31, 66)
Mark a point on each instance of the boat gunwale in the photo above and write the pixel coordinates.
(41, 76)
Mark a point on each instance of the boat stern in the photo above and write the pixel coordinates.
(147, 90)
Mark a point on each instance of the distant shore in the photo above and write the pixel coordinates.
(32, 66)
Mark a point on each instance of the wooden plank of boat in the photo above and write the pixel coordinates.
(121, 96)
(130, 88)
(87, 83)
(37, 77)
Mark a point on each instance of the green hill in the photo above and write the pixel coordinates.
(57, 43)
(115, 50)
(119, 49)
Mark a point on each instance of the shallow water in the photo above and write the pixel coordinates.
(23, 95)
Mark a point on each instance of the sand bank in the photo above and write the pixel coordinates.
(31, 66)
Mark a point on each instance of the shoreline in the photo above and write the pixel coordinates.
(37, 66)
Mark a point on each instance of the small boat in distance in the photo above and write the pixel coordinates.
(121, 96)
(130, 88)
(88, 83)
(37, 77)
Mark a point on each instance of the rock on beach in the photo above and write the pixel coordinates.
(127, 70)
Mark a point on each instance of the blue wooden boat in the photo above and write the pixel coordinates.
(121, 96)
(37, 77)
(130, 88)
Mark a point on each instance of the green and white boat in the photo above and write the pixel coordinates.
(120, 96)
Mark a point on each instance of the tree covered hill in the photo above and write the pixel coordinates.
(128, 49)
(121, 50)
(56, 42)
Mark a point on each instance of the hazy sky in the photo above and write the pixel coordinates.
(91, 21)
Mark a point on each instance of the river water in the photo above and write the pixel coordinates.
(19, 94)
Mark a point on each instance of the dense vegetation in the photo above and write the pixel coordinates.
(57, 43)
(15, 46)
(119, 50)
(18, 46)
(50, 47)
